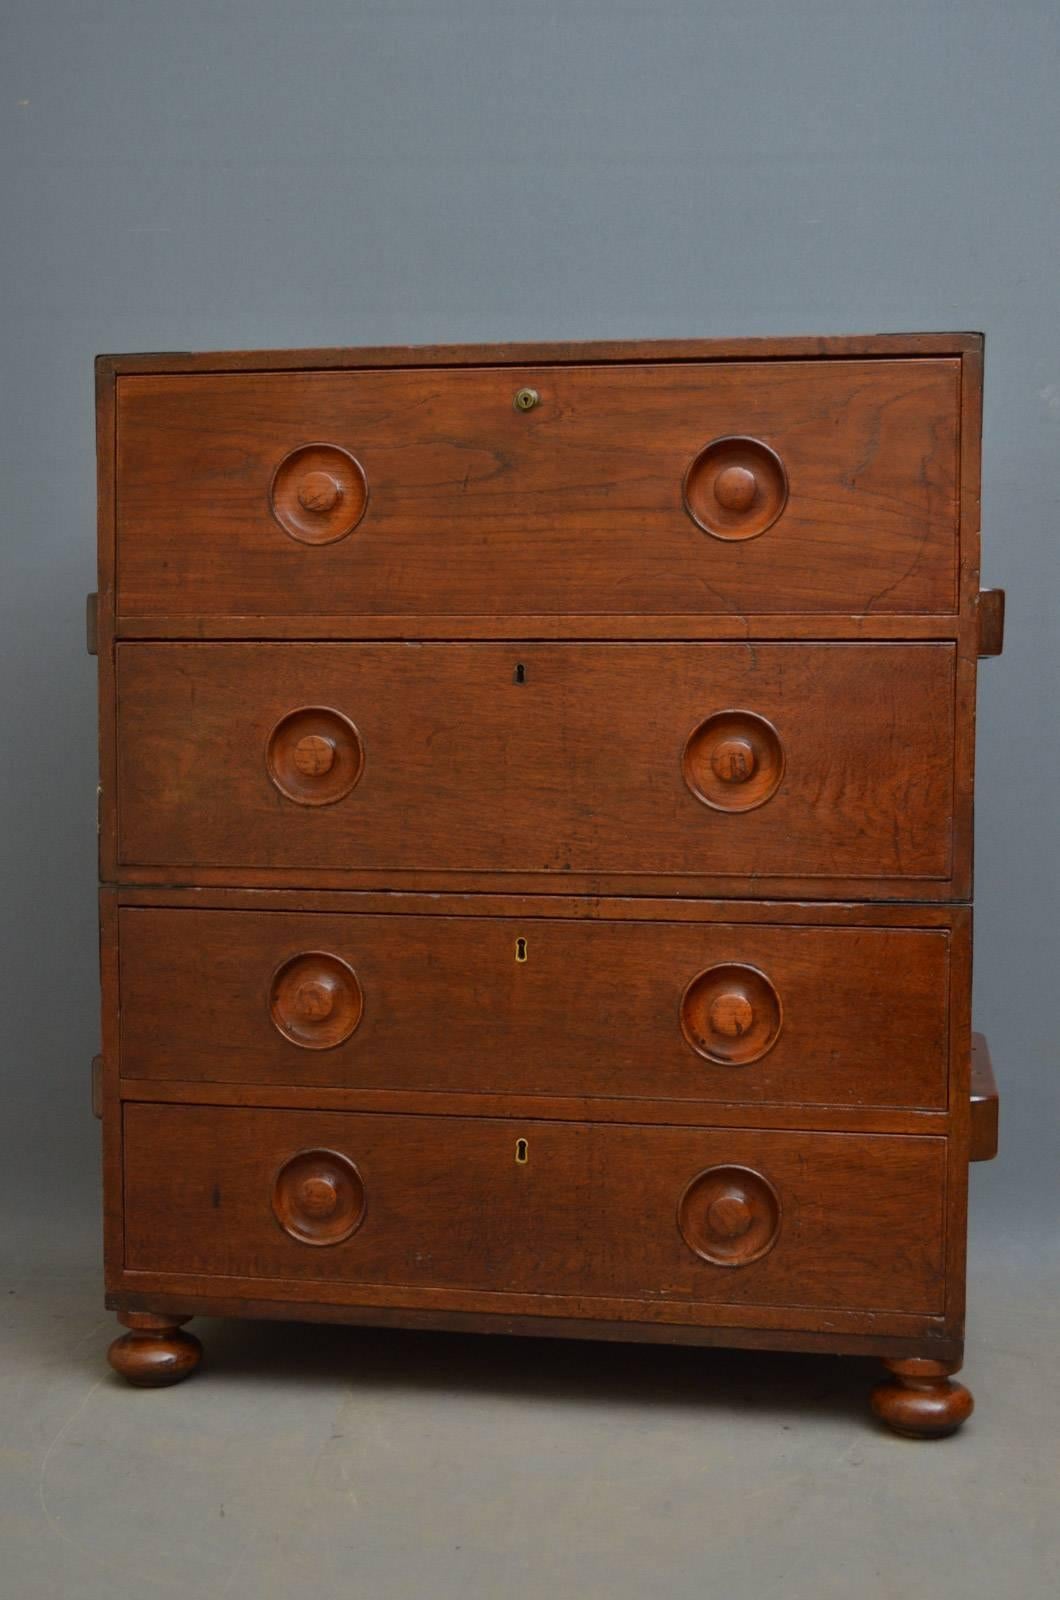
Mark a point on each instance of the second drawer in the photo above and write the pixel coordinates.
(819, 764)
(692, 1011)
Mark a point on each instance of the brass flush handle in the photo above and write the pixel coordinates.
(526, 399)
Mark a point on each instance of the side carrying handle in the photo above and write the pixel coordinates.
(991, 615)
(983, 1144)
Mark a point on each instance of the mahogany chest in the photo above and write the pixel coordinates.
(536, 844)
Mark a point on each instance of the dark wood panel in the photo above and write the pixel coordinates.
(449, 759)
(758, 1328)
(718, 1012)
(825, 347)
(573, 625)
(618, 908)
(810, 1220)
(457, 502)
(888, 528)
(554, 1108)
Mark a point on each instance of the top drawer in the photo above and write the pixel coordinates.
(664, 488)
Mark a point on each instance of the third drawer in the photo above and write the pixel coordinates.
(567, 1006)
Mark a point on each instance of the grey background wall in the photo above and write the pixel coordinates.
(238, 175)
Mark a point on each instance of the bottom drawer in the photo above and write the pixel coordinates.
(552, 1208)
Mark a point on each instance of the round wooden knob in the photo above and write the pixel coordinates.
(318, 1196)
(731, 1014)
(319, 492)
(314, 1001)
(735, 488)
(733, 760)
(730, 1215)
(314, 755)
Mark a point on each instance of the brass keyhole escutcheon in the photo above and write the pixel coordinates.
(520, 949)
(526, 399)
(522, 1152)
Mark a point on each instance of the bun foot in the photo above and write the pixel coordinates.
(921, 1402)
(155, 1352)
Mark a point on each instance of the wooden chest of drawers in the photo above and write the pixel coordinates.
(535, 836)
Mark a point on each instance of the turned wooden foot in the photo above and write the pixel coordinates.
(920, 1401)
(155, 1351)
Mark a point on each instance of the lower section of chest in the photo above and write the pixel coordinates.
(700, 1120)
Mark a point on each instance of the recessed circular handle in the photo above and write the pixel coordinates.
(731, 1014)
(318, 1197)
(735, 488)
(733, 761)
(318, 493)
(314, 756)
(315, 1000)
(730, 1216)
(526, 399)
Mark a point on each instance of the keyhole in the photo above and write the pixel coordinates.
(519, 675)
(520, 949)
(522, 1152)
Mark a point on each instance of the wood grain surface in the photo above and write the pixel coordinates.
(574, 939)
(592, 1211)
(575, 769)
(575, 506)
(594, 1008)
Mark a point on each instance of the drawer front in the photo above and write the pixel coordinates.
(783, 486)
(689, 1011)
(550, 1208)
(825, 762)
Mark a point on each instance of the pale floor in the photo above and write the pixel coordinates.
(332, 1462)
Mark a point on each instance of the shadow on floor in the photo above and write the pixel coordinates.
(782, 1385)
(549, 1370)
